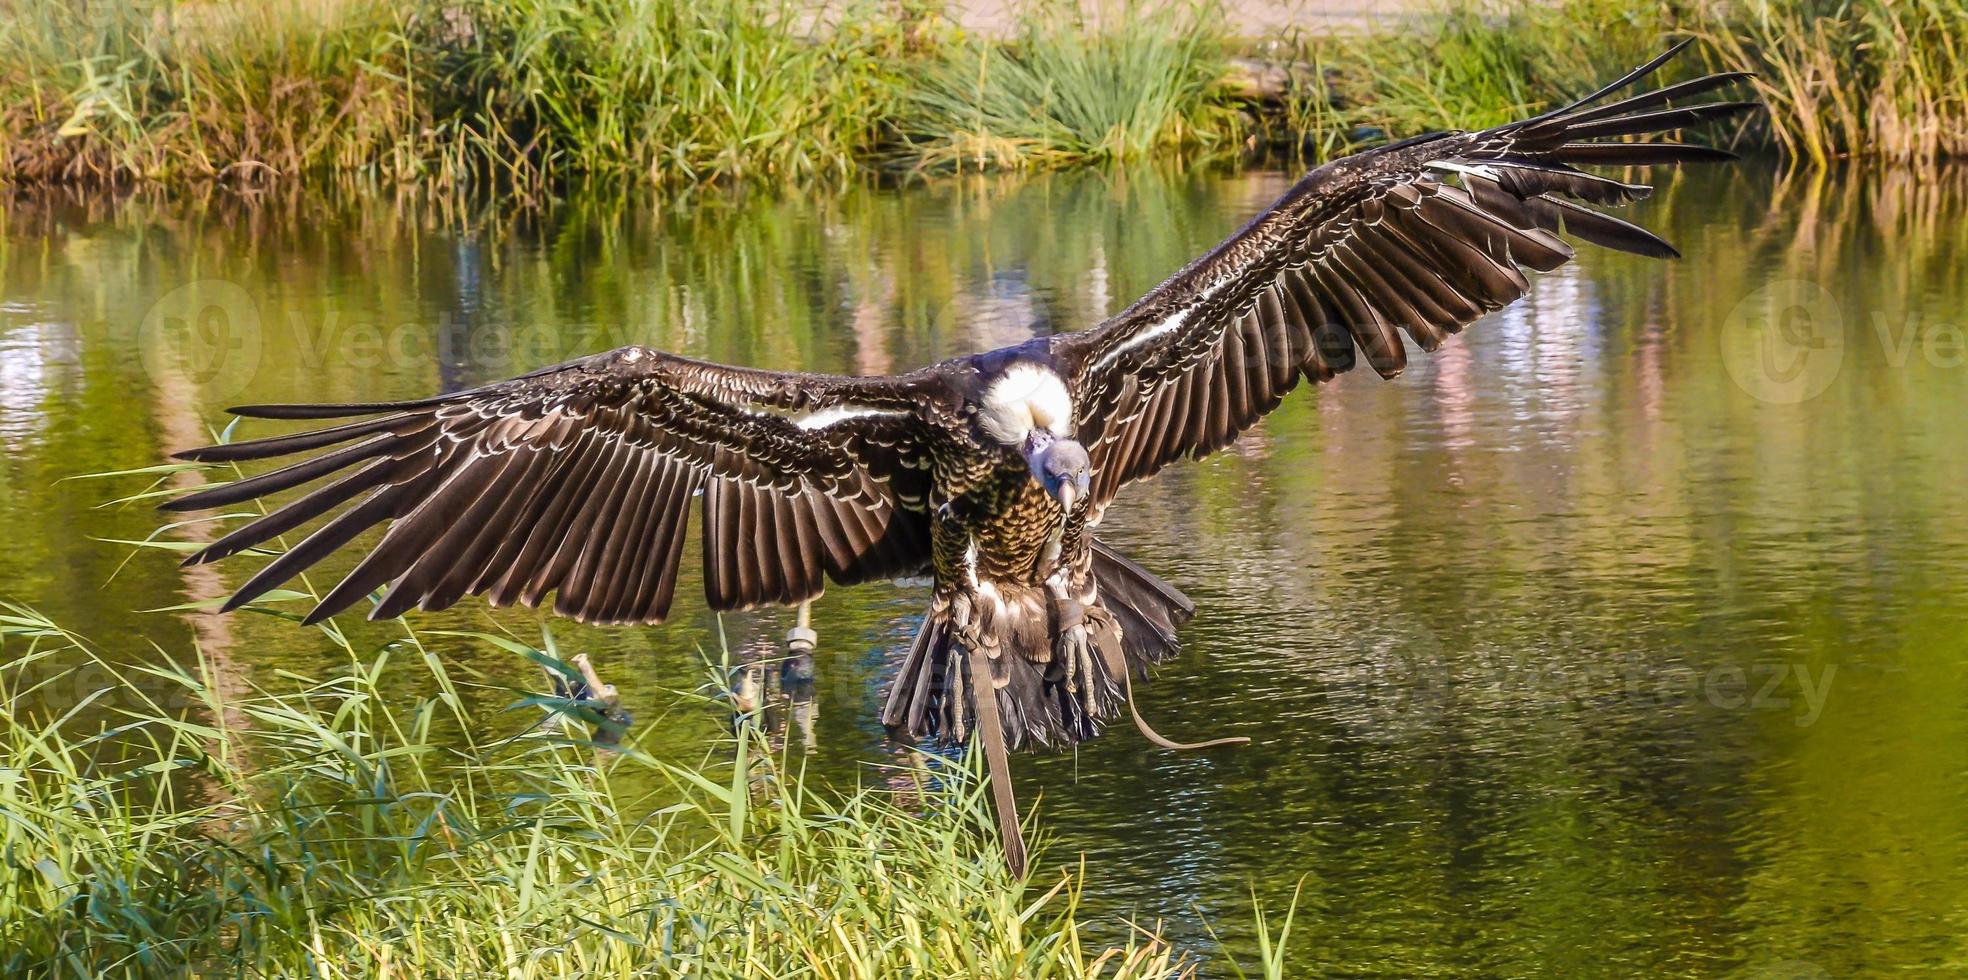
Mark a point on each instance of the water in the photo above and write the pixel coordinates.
(1624, 635)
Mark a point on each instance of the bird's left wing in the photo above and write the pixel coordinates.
(1420, 237)
(578, 480)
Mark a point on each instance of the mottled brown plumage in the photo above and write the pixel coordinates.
(990, 471)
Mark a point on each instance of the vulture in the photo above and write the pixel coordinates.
(989, 473)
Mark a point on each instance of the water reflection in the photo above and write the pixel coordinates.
(1577, 649)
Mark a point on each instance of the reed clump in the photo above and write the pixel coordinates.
(156, 825)
(653, 90)
(1470, 64)
(535, 93)
(110, 92)
(438, 92)
(1884, 79)
(531, 93)
(1070, 88)
(1875, 79)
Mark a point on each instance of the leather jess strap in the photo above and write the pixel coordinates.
(985, 694)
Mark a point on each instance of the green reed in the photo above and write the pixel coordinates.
(123, 91)
(1068, 87)
(1840, 78)
(532, 93)
(1468, 64)
(438, 93)
(159, 819)
(656, 90)
(1860, 78)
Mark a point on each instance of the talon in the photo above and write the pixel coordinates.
(1070, 658)
(1086, 670)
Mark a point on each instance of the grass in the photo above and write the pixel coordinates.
(104, 92)
(436, 93)
(658, 90)
(173, 817)
(1870, 79)
(534, 93)
(1070, 89)
(343, 826)
(1468, 64)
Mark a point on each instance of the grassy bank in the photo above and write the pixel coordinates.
(532, 92)
(161, 819)
(1880, 79)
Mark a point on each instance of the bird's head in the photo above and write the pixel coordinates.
(1061, 466)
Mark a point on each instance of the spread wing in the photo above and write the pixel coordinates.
(579, 479)
(1419, 237)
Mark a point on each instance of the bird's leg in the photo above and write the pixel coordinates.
(965, 640)
(1093, 633)
(1081, 629)
(797, 670)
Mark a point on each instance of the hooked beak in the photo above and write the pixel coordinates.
(1067, 494)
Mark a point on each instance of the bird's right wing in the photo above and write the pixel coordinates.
(1421, 237)
(579, 479)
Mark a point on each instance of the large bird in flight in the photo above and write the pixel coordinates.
(991, 472)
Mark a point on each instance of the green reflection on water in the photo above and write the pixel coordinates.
(1625, 634)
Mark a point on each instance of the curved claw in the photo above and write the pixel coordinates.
(1077, 641)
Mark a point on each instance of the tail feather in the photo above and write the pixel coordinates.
(909, 702)
(932, 697)
(1149, 609)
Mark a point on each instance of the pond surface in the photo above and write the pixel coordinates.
(1628, 634)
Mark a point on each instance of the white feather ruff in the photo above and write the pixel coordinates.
(1026, 397)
